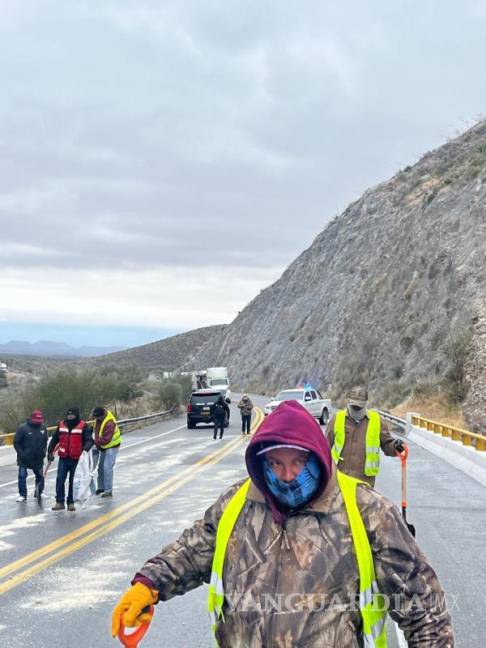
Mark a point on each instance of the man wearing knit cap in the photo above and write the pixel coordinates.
(298, 555)
(71, 438)
(30, 443)
(357, 434)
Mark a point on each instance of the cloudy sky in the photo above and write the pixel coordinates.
(161, 162)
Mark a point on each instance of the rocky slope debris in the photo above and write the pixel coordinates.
(383, 294)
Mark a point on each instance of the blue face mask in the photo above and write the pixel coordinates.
(298, 491)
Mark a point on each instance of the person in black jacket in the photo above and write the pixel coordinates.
(73, 435)
(30, 443)
(221, 414)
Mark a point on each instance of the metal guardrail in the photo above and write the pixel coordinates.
(121, 423)
(399, 422)
(477, 441)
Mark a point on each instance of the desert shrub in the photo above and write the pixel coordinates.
(424, 388)
(170, 394)
(457, 352)
(15, 407)
(55, 393)
(391, 393)
(174, 391)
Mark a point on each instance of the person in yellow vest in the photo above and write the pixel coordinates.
(107, 438)
(356, 435)
(298, 554)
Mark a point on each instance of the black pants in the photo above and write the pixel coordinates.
(66, 467)
(245, 423)
(218, 425)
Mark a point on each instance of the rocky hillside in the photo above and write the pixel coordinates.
(167, 354)
(386, 293)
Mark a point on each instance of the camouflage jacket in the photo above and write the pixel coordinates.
(353, 455)
(298, 586)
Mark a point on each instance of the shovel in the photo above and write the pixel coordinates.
(132, 639)
(403, 458)
(50, 462)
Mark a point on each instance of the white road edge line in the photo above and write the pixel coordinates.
(124, 447)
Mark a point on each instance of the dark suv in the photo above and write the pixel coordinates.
(200, 407)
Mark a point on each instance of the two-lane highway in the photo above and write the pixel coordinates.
(61, 573)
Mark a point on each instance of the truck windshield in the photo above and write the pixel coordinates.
(219, 381)
(290, 395)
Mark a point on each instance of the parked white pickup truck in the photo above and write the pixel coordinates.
(310, 398)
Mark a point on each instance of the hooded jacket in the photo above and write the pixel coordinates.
(30, 443)
(221, 411)
(290, 577)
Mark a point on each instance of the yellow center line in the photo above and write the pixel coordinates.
(113, 519)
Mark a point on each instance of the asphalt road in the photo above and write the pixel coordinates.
(61, 573)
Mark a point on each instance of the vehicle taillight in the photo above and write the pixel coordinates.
(189, 407)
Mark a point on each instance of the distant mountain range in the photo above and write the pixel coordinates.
(48, 348)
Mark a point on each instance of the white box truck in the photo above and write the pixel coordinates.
(217, 378)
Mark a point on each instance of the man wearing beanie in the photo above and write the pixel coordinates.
(72, 436)
(298, 555)
(357, 434)
(30, 443)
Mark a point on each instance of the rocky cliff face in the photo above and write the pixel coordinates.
(383, 294)
(475, 373)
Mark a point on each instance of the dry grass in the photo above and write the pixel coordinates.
(433, 406)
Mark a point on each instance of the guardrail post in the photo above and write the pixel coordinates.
(446, 431)
(456, 435)
(481, 444)
(411, 418)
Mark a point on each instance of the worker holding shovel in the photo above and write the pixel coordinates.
(357, 435)
(298, 554)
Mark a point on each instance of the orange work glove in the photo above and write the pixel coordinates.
(130, 607)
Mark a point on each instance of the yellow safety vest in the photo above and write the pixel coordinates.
(372, 608)
(116, 438)
(372, 459)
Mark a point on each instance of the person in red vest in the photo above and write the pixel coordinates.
(73, 435)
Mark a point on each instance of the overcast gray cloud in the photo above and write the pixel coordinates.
(180, 155)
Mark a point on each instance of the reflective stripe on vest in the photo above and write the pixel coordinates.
(371, 603)
(116, 438)
(373, 430)
(373, 611)
(70, 441)
(225, 529)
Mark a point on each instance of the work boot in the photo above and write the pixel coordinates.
(221, 435)
(107, 494)
(71, 507)
(58, 506)
(214, 437)
(99, 491)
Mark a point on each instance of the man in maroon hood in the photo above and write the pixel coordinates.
(280, 555)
